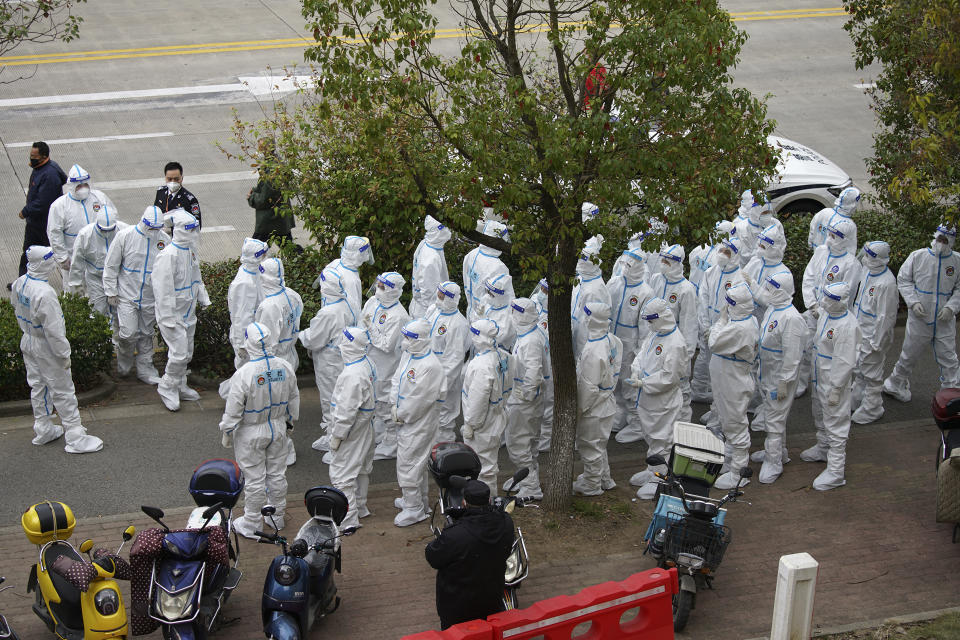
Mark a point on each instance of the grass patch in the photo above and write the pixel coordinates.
(587, 509)
(946, 627)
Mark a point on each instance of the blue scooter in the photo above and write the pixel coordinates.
(299, 588)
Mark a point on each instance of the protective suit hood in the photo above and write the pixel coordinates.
(258, 341)
(598, 318)
(588, 211)
(437, 234)
(271, 276)
(76, 177)
(524, 313)
(389, 287)
(331, 285)
(948, 233)
(186, 229)
(493, 228)
(876, 255)
(772, 244)
(356, 250)
(40, 261)
(483, 333)
(449, 293)
(151, 220)
(778, 288)
(106, 222)
(658, 315)
(746, 203)
(846, 203)
(252, 251)
(633, 267)
(671, 260)
(739, 301)
(721, 230)
(416, 337)
(835, 297)
(497, 289)
(354, 344)
(588, 266)
(733, 244)
(840, 231)
(753, 213)
(766, 214)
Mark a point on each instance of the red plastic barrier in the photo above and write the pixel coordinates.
(473, 630)
(603, 605)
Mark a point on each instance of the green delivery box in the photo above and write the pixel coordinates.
(697, 453)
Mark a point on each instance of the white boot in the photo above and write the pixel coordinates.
(816, 453)
(79, 442)
(322, 443)
(899, 389)
(648, 491)
(169, 390)
(729, 480)
(832, 476)
(46, 433)
(413, 511)
(291, 453)
(186, 393)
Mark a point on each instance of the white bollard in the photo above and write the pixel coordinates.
(793, 602)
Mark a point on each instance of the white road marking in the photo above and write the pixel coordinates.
(131, 136)
(262, 86)
(217, 229)
(865, 85)
(234, 176)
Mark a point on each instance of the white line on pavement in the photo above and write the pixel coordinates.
(131, 136)
(225, 227)
(234, 176)
(865, 85)
(121, 95)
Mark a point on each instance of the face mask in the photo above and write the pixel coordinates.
(381, 295)
(35, 162)
(834, 243)
(173, 187)
(83, 192)
(723, 260)
(943, 248)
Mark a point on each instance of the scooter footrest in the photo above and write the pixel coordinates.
(233, 579)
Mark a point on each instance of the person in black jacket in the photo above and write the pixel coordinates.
(173, 195)
(470, 557)
(46, 185)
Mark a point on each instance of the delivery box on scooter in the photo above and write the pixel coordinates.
(217, 480)
(453, 459)
(326, 502)
(697, 452)
(47, 521)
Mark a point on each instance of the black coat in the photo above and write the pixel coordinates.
(182, 199)
(470, 558)
(46, 185)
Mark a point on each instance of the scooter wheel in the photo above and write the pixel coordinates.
(682, 604)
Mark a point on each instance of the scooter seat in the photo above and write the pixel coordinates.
(702, 509)
(67, 611)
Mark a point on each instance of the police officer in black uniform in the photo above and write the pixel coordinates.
(173, 195)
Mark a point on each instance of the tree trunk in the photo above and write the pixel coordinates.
(559, 487)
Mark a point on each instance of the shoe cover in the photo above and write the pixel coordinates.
(291, 453)
(50, 433)
(801, 389)
(648, 491)
(584, 488)
(543, 446)
(641, 478)
(607, 484)
(446, 435)
(409, 517)
(385, 451)
(322, 443)
(828, 480)
(149, 379)
(398, 503)
(186, 393)
(706, 417)
(79, 442)
(758, 456)
(327, 457)
(770, 471)
(628, 434)
(899, 391)
(363, 512)
(816, 453)
(245, 529)
(729, 480)
(169, 392)
(865, 417)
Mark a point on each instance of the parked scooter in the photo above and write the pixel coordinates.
(70, 613)
(946, 413)
(687, 532)
(451, 465)
(184, 597)
(299, 588)
(6, 633)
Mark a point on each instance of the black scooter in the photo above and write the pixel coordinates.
(299, 588)
(6, 633)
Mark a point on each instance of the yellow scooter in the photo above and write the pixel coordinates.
(68, 611)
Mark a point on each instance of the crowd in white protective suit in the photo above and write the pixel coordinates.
(393, 381)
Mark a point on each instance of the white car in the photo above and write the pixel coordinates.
(807, 182)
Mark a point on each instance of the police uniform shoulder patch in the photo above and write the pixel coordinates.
(195, 208)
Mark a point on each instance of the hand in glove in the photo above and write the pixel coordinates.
(833, 398)
(366, 322)
(289, 427)
(65, 265)
(749, 280)
(394, 416)
(66, 362)
(782, 389)
(335, 443)
(632, 382)
(945, 313)
(113, 301)
(918, 309)
(815, 310)
(466, 431)
(227, 439)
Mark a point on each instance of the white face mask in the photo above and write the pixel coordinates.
(173, 187)
(723, 260)
(83, 192)
(834, 243)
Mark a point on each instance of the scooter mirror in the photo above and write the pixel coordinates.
(656, 461)
(746, 472)
(520, 475)
(211, 511)
(153, 512)
(128, 533)
(458, 482)
(268, 510)
(86, 545)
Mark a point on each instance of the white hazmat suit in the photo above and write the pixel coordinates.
(876, 311)
(280, 310)
(746, 230)
(429, 267)
(178, 290)
(263, 399)
(450, 341)
(481, 264)
(703, 257)
(844, 207)
(128, 285)
(496, 307)
(836, 344)
(355, 252)
(590, 287)
(244, 296)
(89, 254)
(46, 355)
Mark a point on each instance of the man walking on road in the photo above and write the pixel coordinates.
(46, 185)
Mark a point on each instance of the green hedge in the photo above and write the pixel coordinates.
(90, 342)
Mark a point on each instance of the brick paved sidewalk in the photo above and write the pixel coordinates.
(880, 551)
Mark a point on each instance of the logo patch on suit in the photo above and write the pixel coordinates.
(261, 380)
(160, 245)
(773, 325)
(949, 271)
(830, 277)
(835, 268)
(383, 318)
(830, 334)
(673, 298)
(442, 330)
(728, 285)
(412, 375)
(96, 207)
(634, 301)
(658, 350)
(544, 325)
(870, 292)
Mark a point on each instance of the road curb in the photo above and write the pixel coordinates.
(909, 618)
(105, 389)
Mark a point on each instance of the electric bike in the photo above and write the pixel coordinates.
(451, 465)
(68, 611)
(299, 588)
